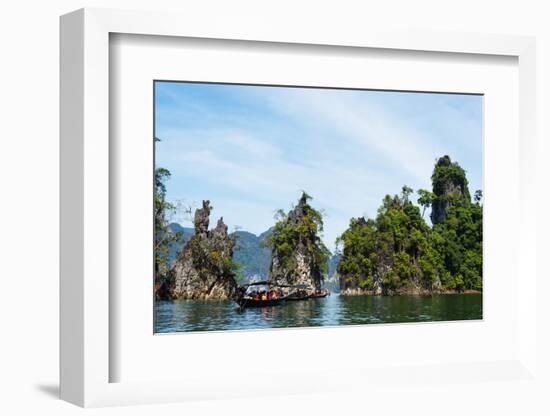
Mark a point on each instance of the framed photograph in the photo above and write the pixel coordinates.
(342, 250)
(316, 211)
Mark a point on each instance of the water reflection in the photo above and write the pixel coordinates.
(183, 316)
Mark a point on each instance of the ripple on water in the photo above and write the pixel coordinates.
(186, 316)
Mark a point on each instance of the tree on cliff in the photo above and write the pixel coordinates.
(299, 256)
(425, 199)
(163, 236)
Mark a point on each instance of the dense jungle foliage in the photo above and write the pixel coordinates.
(398, 252)
(299, 230)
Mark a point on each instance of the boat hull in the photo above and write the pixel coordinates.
(254, 303)
(297, 298)
(322, 295)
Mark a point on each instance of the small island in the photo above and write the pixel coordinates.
(399, 253)
(204, 269)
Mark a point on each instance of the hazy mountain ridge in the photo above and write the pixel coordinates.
(174, 248)
(250, 253)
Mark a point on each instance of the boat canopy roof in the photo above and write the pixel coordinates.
(268, 283)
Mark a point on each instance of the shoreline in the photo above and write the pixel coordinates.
(348, 293)
(416, 292)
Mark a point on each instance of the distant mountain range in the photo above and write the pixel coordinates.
(175, 248)
(249, 252)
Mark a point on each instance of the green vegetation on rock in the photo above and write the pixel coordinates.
(395, 252)
(398, 252)
(299, 256)
(204, 268)
(164, 237)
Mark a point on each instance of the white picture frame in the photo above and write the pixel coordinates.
(86, 355)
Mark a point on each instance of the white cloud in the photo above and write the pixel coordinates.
(366, 124)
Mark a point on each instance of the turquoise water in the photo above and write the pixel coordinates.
(192, 315)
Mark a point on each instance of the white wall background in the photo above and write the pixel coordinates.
(29, 203)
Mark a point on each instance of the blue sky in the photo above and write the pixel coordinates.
(251, 149)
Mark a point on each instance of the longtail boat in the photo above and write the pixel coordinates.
(246, 302)
(301, 293)
(321, 294)
(297, 292)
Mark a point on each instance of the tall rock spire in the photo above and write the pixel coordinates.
(299, 257)
(204, 267)
(450, 187)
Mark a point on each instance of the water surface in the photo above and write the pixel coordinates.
(193, 315)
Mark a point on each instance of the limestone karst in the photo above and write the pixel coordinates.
(298, 256)
(397, 252)
(204, 269)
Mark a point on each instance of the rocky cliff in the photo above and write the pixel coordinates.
(204, 269)
(298, 256)
(398, 253)
(249, 251)
(450, 187)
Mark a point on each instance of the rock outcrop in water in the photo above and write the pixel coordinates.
(204, 269)
(384, 256)
(298, 255)
(398, 253)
